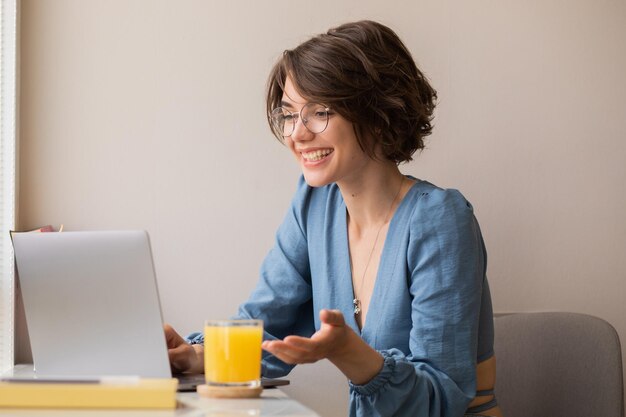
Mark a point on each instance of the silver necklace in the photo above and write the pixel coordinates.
(357, 302)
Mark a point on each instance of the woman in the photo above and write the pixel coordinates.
(382, 274)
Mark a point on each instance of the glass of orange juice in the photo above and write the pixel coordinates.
(232, 352)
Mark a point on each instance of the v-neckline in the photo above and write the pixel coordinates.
(381, 264)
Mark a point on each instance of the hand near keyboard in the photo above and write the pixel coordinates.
(184, 358)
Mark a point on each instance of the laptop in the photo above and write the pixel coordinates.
(92, 306)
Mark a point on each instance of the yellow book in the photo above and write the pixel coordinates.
(142, 393)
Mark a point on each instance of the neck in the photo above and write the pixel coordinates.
(369, 197)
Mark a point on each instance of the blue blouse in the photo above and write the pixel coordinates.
(430, 313)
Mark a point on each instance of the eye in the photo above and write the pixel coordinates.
(319, 112)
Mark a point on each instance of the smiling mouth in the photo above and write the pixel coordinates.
(316, 155)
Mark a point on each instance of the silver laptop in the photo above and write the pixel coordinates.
(92, 304)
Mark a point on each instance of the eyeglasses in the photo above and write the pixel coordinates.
(314, 117)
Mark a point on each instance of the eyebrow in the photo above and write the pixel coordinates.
(284, 103)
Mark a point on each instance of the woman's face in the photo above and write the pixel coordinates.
(331, 156)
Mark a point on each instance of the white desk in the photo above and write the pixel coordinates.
(273, 402)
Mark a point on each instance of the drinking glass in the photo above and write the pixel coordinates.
(232, 352)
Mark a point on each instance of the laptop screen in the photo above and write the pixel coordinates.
(91, 303)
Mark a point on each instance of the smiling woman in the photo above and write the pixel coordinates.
(377, 87)
(381, 273)
(7, 178)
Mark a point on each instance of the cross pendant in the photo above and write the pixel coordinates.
(357, 306)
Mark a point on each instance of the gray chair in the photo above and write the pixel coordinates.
(558, 365)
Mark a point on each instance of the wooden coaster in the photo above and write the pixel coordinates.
(211, 391)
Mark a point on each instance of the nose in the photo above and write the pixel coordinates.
(300, 131)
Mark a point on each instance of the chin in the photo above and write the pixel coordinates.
(316, 180)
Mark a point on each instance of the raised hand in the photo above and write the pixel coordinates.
(334, 341)
(326, 343)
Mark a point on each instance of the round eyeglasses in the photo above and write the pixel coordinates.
(314, 117)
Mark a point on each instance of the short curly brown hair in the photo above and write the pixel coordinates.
(364, 72)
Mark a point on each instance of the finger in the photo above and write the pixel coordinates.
(294, 359)
(172, 338)
(182, 348)
(179, 357)
(283, 346)
(273, 347)
(288, 354)
(332, 317)
(302, 343)
(288, 359)
(267, 345)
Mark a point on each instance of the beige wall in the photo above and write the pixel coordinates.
(149, 114)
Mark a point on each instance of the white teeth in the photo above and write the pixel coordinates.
(316, 155)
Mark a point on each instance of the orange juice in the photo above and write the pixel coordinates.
(232, 352)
